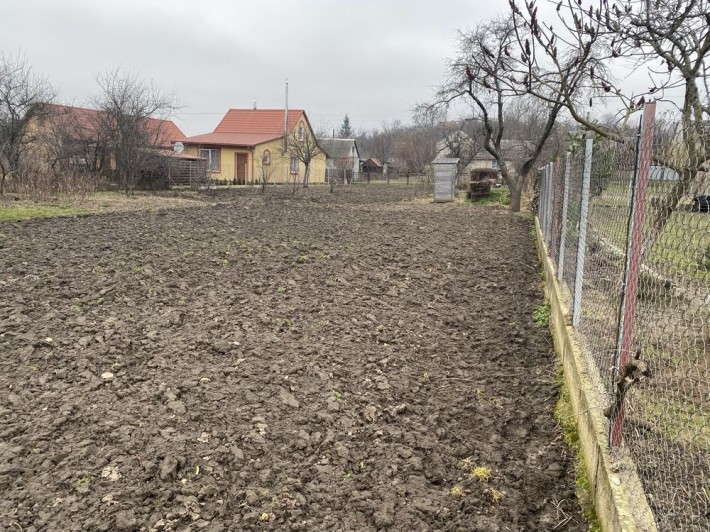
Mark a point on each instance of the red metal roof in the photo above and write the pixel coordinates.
(166, 130)
(233, 139)
(258, 121)
(85, 122)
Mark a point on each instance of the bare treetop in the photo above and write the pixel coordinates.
(127, 106)
(23, 96)
(669, 39)
(491, 72)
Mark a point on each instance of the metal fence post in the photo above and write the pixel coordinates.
(541, 200)
(634, 253)
(582, 244)
(563, 225)
(548, 190)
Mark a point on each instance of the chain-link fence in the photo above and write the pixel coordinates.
(627, 224)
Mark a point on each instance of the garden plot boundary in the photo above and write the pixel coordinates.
(617, 491)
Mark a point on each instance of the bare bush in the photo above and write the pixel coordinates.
(35, 179)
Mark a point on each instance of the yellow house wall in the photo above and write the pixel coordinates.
(227, 161)
(281, 172)
(279, 169)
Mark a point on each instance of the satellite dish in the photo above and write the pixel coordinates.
(178, 147)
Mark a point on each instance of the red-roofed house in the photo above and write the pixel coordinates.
(78, 130)
(68, 138)
(249, 142)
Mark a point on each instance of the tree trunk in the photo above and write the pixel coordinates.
(516, 188)
(516, 195)
(665, 209)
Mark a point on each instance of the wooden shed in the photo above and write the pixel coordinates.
(445, 170)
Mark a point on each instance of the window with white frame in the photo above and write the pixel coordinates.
(301, 133)
(213, 158)
(494, 164)
(294, 165)
(266, 158)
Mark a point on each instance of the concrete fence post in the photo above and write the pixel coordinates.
(582, 244)
(563, 225)
(634, 253)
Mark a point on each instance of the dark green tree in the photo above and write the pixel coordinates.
(346, 132)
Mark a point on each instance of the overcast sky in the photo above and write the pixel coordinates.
(371, 59)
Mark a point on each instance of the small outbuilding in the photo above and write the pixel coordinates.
(445, 170)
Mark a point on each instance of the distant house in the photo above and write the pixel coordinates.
(84, 124)
(372, 166)
(249, 143)
(483, 159)
(514, 152)
(74, 137)
(342, 158)
(458, 144)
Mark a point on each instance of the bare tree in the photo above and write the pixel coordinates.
(23, 99)
(73, 142)
(342, 172)
(667, 39)
(462, 140)
(416, 148)
(126, 107)
(416, 145)
(382, 144)
(484, 74)
(266, 169)
(302, 149)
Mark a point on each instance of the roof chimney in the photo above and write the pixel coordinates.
(255, 104)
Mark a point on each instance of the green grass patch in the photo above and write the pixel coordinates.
(681, 250)
(14, 213)
(541, 316)
(565, 417)
(499, 196)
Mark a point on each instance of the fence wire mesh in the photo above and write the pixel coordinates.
(644, 307)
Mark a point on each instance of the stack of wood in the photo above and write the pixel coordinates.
(481, 183)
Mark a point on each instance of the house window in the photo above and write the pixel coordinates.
(266, 158)
(301, 133)
(294, 165)
(213, 158)
(494, 164)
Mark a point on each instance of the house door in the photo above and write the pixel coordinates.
(241, 170)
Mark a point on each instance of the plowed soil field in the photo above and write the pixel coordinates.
(353, 362)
